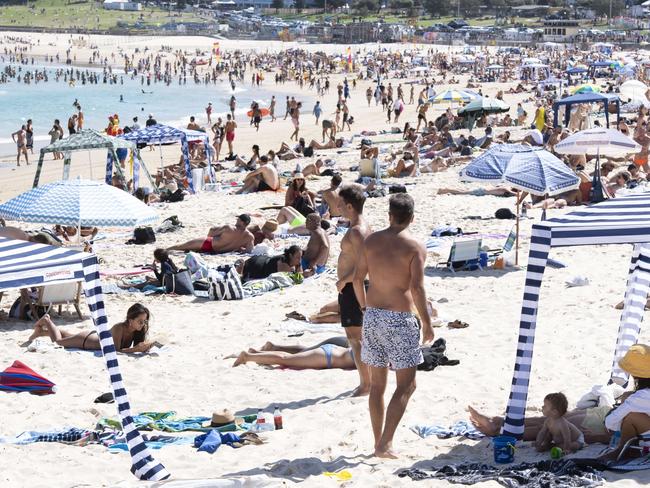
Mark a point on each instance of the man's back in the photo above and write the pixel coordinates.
(389, 255)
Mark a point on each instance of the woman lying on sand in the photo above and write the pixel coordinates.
(128, 336)
(331, 353)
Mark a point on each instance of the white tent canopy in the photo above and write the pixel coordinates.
(24, 264)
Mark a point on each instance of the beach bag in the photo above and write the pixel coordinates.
(228, 288)
(396, 189)
(179, 283)
(143, 235)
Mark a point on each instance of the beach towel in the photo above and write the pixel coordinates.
(564, 473)
(211, 441)
(298, 327)
(65, 435)
(462, 428)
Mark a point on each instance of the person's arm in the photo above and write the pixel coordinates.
(638, 402)
(565, 434)
(289, 197)
(541, 442)
(323, 252)
(419, 294)
(360, 273)
(250, 243)
(117, 333)
(13, 136)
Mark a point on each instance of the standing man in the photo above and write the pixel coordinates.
(233, 105)
(20, 138)
(351, 201)
(208, 112)
(229, 128)
(394, 261)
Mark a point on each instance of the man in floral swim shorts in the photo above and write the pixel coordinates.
(394, 261)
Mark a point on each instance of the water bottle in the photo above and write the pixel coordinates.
(260, 417)
(277, 418)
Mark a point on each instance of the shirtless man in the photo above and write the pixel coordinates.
(331, 196)
(394, 261)
(351, 201)
(229, 128)
(20, 138)
(264, 178)
(226, 238)
(315, 255)
(641, 137)
(422, 115)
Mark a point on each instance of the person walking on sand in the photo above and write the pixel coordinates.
(295, 120)
(208, 112)
(20, 138)
(229, 128)
(272, 108)
(232, 105)
(394, 261)
(317, 111)
(351, 199)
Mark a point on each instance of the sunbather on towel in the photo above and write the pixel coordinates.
(128, 336)
(479, 192)
(227, 238)
(265, 178)
(331, 353)
(260, 267)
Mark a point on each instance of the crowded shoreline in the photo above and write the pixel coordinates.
(294, 152)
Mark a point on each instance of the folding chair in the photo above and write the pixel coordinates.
(59, 294)
(463, 255)
(508, 245)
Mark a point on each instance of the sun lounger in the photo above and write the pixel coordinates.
(463, 255)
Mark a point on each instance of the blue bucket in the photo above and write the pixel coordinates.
(504, 449)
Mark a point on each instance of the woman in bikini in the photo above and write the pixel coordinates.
(334, 352)
(129, 336)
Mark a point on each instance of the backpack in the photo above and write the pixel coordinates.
(142, 235)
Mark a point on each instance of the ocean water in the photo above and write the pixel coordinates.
(173, 105)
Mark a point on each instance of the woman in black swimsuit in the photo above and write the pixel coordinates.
(128, 336)
(259, 267)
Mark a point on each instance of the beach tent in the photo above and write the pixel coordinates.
(25, 264)
(86, 140)
(164, 134)
(605, 99)
(623, 220)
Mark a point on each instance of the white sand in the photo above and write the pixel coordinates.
(325, 430)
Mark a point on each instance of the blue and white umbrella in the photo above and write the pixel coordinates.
(526, 168)
(78, 203)
(452, 95)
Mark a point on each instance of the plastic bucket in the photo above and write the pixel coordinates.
(504, 449)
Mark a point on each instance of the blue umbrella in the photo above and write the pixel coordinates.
(78, 203)
(527, 168)
(530, 169)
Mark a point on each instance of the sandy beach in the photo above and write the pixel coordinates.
(325, 430)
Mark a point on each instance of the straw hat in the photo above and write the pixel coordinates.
(222, 417)
(270, 226)
(637, 361)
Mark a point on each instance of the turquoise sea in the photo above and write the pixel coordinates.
(174, 104)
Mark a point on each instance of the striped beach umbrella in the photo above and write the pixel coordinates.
(19, 377)
(79, 203)
(451, 96)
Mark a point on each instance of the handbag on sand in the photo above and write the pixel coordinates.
(227, 288)
(179, 283)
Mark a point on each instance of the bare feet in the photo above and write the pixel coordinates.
(385, 452)
(269, 346)
(360, 391)
(241, 359)
(483, 423)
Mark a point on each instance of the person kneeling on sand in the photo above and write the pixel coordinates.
(334, 352)
(128, 336)
(265, 178)
(227, 238)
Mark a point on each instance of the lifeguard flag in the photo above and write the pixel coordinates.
(216, 50)
(349, 58)
(19, 377)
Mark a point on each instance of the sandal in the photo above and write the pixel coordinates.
(296, 316)
(457, 324)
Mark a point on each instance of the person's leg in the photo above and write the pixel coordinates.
(250, 186)
(378, 378)
(192, 245)
(405, 388)
(287, 214)
(633, 425)
(314, 359)
(354, 337)
(269, 346)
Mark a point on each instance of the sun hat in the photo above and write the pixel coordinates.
(637, 361)
(221, 418)
(270, 225)
(298, 176)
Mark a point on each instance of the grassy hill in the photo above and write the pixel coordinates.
(86, 14)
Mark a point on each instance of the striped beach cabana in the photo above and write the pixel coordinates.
(624, 220)
(26, 264)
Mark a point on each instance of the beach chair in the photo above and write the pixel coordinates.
(60, 294)
(640, 445)
(368, 168)
(507, 246)
(464, 255)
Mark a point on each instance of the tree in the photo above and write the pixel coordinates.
(437, 7)
(180, 5)
(299, 5)
(365, 6)
(601, 7)
(277, 5)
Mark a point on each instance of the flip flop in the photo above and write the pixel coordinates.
(457, 324)
(296, 316)
(105, 398)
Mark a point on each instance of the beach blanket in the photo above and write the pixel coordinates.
(462, 428)
(564, 473)
(65, 435)
(124, 271)
(298, 327)
(167, 422)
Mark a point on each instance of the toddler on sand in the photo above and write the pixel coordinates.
(558, 431)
